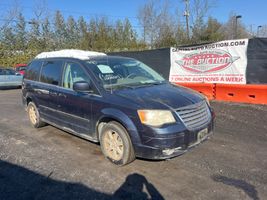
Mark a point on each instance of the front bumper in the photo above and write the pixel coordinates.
(163, 148)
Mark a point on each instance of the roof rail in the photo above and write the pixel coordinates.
(70, 53)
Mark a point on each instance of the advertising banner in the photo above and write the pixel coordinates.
(221, 62)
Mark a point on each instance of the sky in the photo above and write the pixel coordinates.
(253, 12)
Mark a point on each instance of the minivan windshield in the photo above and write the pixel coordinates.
(117, 72)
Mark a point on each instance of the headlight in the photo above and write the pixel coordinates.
(156, 117)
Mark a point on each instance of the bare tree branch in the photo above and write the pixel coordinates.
(10, 15)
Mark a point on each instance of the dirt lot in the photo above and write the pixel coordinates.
(50, 164)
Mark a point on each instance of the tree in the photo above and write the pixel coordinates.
(34, 36)
(20, 33)
(228, 29)
(117, 36)
(147, 15)
(8, 38)
(199, 9)
(22, 40)
(157, 23)
(48, 41)
(166, 37)
(92, 33)
(212, 32)
(128, 36)
(103, 37)
(37, 42)
(82, 33)
(71, 33)
(166, 29)
(9, 16)
(60, 30)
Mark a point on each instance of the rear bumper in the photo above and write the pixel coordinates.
(10, 85)
(177, 145)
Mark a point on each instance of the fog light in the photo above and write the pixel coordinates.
(168, 151)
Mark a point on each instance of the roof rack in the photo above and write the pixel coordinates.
(70, 53)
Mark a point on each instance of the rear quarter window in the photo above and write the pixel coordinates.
(51, 72)
(33, 70)
(10, 72)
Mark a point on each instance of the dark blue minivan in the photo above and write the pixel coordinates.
(119, 102)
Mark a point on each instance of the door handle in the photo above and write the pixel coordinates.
(41, 91)
(53, 93)
(62, 95)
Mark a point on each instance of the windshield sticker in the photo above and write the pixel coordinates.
(110, 77)
(105, 69)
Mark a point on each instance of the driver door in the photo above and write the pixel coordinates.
(74, 107)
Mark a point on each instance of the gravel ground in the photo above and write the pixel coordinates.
(48, 163)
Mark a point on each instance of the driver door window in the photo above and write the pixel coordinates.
(73, 72)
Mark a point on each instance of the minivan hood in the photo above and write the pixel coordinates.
(164, 96)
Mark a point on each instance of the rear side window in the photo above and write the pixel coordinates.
(10, 72)
(51, 72)
(33, 70)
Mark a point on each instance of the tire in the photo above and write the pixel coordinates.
(34, 116)
(116, 144)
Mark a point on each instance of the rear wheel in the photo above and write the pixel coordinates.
(116, 144)
(34, 116)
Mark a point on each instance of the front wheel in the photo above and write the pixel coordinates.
(116, 144)
(34, 116)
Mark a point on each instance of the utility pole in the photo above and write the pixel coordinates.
(251, 30)
(258, 31)
(236, 25)
(186, 14)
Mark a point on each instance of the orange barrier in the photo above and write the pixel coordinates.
(208, 89)
(256, 94)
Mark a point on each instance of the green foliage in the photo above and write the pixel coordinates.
(20, 33)
(22, 40)
(212, 31)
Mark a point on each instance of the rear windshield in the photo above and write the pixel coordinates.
(7, 72)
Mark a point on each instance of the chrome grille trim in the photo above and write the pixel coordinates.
(194, 116)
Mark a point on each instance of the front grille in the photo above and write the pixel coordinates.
(194, 116)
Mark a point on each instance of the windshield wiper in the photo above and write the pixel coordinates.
(134, 86)
(151, 83)
(114, 87)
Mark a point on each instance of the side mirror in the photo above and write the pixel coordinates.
(82, 86)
